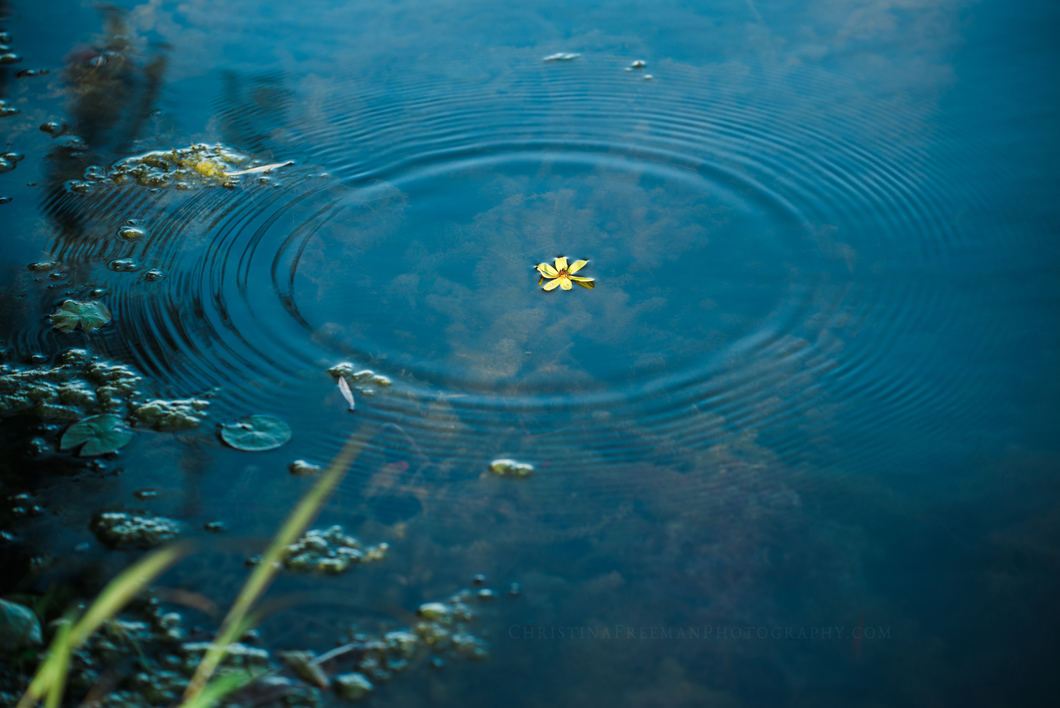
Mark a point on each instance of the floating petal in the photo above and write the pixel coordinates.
(564, 283)
(546, 269)
(551, 285)
(576, 266)
(561, 263)
(584, 282)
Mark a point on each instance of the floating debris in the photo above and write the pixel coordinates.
(511, 468)
(132, 231)
(263, 168)
(301, 467)
(123, 265)
(89, 316)
(352, 687)
(329, 551)
(365, 381)
(119, 530)
(178, 414)
(256, 433)
(562, 56)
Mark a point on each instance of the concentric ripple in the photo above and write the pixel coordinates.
(760, 265)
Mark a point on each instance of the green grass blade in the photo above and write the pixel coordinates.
(128, 584)
(297, 522)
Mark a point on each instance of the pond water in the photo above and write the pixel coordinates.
(797, 446)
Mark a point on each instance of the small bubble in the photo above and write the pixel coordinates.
(648, 77)
(153, 274)
(76, 186)
(9, 111)
(14, 156)
(52, 127)
(9, 59)
(638, 64)
(4, 200)
(98, 292)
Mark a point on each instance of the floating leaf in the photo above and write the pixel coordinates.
(263, 168)
(89, 315)
(99, 433)
(19, 627)
(256, 433)
(344, 389)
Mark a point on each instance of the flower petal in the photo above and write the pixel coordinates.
(561, 263)
(551, 285)
(541, 280)
(584, 282)
(564, 282)
(546, 269)
(576, 266)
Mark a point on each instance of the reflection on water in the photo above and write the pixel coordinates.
(809, 391)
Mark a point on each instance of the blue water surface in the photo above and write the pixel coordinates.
(798, 446)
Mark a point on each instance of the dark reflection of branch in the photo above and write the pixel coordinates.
(252, 110)
(112, 90)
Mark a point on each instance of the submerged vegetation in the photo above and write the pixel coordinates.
(111, 632)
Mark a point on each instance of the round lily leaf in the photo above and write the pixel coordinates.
(256, 433)
(19, 627)
(72, 313)
(99, 433)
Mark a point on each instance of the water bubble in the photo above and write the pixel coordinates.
(14, 156)
(9, 59)
(28, 73)
(42, 266)
(52, 127)
(638, 64)
(153, 275)
(4, 200)
(6, 165)
(76, 186)
(5, 37)
(8, 111)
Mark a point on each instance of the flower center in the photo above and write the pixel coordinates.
(562, 274)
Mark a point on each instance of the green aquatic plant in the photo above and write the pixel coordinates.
(256, 433)
(562, 275)
(99, 433)
(72, 314)
(50, 680)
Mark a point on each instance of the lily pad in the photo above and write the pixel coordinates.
(89, 315)
(99, 433)
(19, 627)
(256, 433)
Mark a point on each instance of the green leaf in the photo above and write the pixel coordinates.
(89, 315)
(19, 627)
(256, 433)
(99, 433)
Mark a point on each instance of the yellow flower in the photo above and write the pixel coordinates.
(562, 274)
